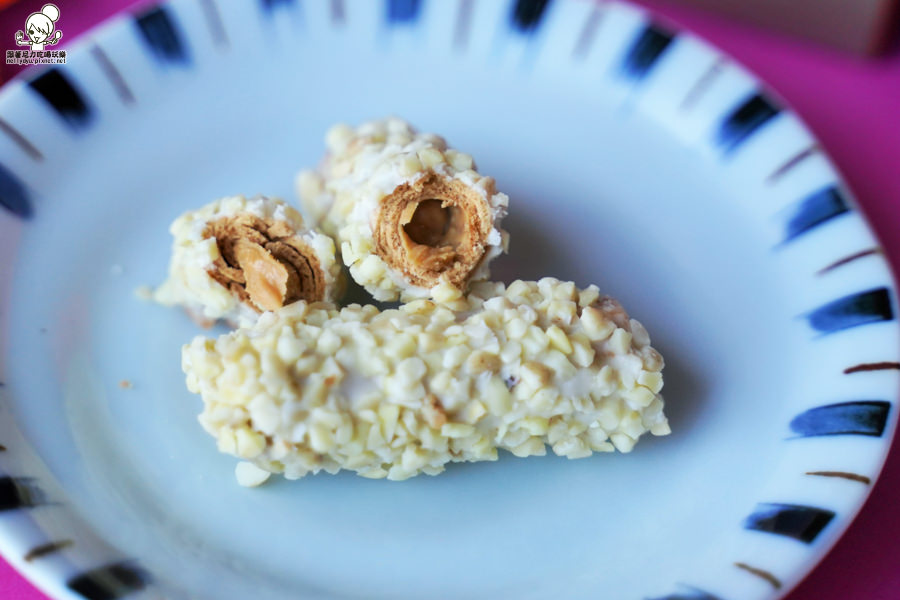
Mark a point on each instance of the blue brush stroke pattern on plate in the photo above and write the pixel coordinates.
(691, 593)
(815, 210)
(649, 46)
(161, 34)
(17, 492)
(57, 90)
(13, 195)
(861, 417)
(527, 14)
(802, 523)
(864, 308)
(110, 582)
(403, 11)
(745, 120)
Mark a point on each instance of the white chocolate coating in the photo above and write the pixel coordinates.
(405, 391)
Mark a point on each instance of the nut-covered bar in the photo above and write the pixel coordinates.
(401, 392)
(235, 258)
(408, 212)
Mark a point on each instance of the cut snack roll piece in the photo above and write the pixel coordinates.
(400, 392)
(236, 258)
(408, 212)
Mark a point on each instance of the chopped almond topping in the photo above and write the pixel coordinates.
(433, 411)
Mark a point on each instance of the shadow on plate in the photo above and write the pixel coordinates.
(685, 395)
(357, 294)
(533, 253)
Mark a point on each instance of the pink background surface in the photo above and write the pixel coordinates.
(853, 107)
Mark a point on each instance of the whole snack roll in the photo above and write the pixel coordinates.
(236, 258)
(408, 212)
(405, 391)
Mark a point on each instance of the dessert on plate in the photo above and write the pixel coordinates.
(407, 212)
(396, 393)
(236, 258)
(464, 368)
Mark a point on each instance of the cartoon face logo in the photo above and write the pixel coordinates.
(39, 29)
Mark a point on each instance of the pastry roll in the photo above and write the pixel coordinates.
(400, 392)
(408, 212)
(236, 258)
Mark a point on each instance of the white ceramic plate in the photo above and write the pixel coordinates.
(635, 158)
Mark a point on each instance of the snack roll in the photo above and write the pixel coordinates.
(235, 258)
(405, 391)
(408, 212)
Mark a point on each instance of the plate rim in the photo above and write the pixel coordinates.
(54, 585)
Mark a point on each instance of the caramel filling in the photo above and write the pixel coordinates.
(264, 263)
